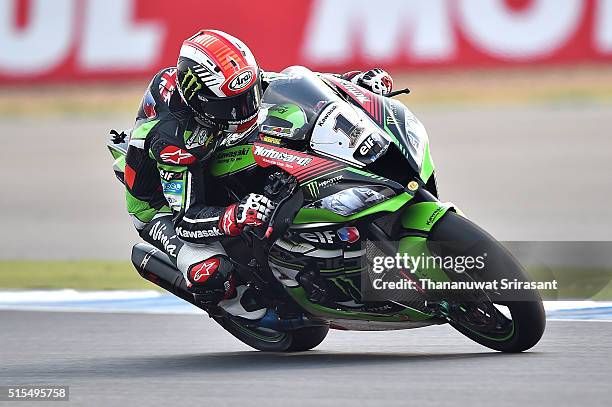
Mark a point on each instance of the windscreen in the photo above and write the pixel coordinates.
(300, 86)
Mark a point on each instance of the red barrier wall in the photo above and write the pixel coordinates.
(72, 40)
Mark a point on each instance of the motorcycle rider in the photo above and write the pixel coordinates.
(211, 96)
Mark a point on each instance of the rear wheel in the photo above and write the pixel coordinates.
(512, 322)
(269, 340)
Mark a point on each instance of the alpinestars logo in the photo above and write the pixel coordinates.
(202, 271)
(190, 83)
(176, 155)
(227, 224)
(281, 155)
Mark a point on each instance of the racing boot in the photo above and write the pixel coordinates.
(243, 303)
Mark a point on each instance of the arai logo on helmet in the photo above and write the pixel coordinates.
(241, 80)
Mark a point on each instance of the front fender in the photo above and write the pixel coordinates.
(422, 216)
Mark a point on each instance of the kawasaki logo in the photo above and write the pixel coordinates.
(433, 216)
(198, 234)
(191, 84)
(232, 154)
(281, 155)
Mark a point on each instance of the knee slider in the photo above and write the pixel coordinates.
(211, 273)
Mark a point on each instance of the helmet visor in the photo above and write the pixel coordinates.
(234, 109)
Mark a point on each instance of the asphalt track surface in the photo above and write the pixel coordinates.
(523, 173)
(131, 359)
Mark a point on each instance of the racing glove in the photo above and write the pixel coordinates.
(252, 210)
(375, 80)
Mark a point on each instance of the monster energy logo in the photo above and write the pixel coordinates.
(313, 188)
(347, 286)
(190, 80)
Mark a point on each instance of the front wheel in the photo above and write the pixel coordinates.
(503, 323)
(269, 340)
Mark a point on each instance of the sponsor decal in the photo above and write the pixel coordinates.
(433, 216)
(355, 92)
(318, 237)
(173, 187)
(234, 138)
(414, 140)
(170, 175)
(281, 109)
(175, 201)
(323, 119)
(272, 140)
(198, 234)
(349, 234)
(241, 80)
(371, 148)
(330, 182)
(366, 146)
(176, 155)
(159, 234)
(313, 188)
(227, 223)
(271, 152)
(276, 131)
(303, 166)
(224, 155)
(131, 37)
(201, 272)
(190, 84)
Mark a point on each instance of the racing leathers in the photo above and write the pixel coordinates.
(172, 199)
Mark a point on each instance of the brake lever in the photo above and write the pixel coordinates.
(397, 92)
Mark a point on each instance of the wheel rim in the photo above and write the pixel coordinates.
(262, 334)
(482, 318)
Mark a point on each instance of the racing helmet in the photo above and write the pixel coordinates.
(219, 80)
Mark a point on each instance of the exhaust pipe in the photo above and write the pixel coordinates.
(153, 265)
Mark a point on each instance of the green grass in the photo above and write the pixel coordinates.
(574, 283)
(81, 275)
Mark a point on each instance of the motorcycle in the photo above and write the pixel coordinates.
(352, 174)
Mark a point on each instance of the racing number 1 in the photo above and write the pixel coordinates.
(349, 129)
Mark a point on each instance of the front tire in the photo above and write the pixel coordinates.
(527, 316)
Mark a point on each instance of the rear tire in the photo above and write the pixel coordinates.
(527, 314)
(268, 340)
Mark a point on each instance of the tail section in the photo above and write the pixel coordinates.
(118, 145)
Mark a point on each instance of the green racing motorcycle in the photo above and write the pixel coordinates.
(353, 177)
